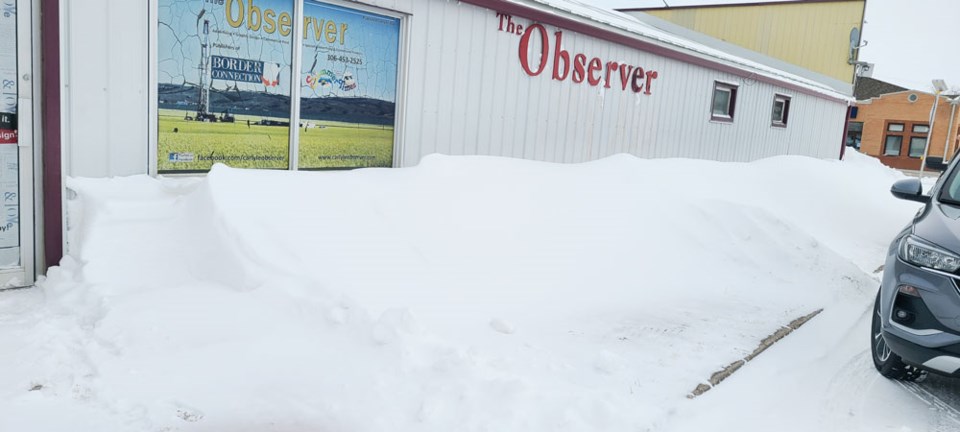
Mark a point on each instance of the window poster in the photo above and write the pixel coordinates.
(223, 77)
(348, 87)
(9, 152)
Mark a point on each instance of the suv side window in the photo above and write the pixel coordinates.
(939, 183)
(954, 190)
(948, 185)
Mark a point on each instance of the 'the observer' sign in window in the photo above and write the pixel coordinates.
(224, 85)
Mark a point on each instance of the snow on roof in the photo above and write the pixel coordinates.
(661, 4)
(623, 23)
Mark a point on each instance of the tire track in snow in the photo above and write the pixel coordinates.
(949, 420)
(927, 391)
(858, 395)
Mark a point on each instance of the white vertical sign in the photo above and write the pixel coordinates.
(9, 154)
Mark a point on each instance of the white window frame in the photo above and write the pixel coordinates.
(784, 112)
(731, 110)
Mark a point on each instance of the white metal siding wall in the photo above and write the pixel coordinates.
(466, 94)
(104, 86)
(471, 96)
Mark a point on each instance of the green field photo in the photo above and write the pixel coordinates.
(345, 145)
(194, 146)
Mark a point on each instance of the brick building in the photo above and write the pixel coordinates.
(893, 124)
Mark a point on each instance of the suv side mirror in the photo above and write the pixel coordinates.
(935, 163)
(909, 189)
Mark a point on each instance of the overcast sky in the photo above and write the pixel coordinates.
(911, 41)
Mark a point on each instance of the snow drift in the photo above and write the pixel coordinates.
(467, 293)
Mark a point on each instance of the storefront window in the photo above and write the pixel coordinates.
(224, 84)
(348, 88)
(226, 80)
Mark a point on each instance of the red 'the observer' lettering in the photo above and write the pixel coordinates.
(579, 69)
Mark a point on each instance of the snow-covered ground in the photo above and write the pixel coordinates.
(466, 294)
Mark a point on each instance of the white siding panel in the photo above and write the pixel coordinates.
(127, 92)
(483, 117)
(473, 48)
(88, 103)
(106, 101)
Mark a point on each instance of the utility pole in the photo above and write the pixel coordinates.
(939, 87)
(951, 135)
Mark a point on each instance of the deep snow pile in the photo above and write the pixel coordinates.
(468, 293)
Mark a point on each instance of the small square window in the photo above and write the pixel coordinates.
(891, 147)
(895, 127)
(917, 145)
(921, 128)
(781, 109)
(724, 102)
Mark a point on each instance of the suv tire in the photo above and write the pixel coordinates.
(886, 361)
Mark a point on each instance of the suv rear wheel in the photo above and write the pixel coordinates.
(886, 361)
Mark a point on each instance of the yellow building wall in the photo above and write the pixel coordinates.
(815, 36)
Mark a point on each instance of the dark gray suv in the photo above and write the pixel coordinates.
(916, 318)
